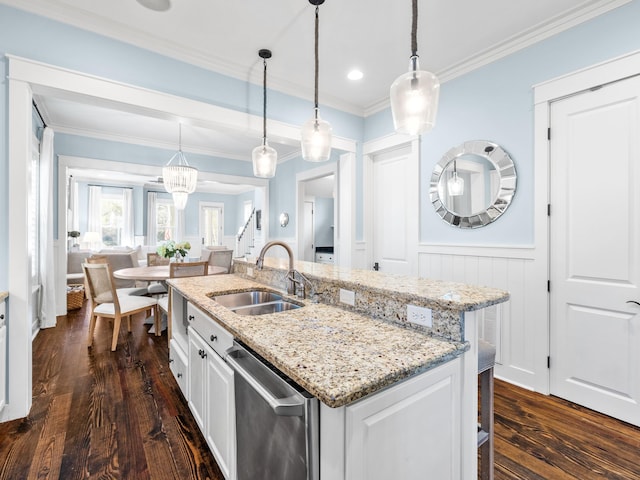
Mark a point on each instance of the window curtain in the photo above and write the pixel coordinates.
(152, 232)
(127, 218)
(93, 215)
(47, 270)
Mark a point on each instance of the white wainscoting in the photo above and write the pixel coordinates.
(518, 328)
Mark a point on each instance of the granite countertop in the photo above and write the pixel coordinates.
(438, 294)
(336, 355)
(3, 296)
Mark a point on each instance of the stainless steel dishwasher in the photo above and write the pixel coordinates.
(277, 428)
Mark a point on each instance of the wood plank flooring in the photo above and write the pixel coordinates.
(120, 415)
(103, 414)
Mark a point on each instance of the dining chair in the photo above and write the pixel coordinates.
(119, 290)
(181, 269)
(156, 259)
(153, 260)
(221, 258)
(106, 303)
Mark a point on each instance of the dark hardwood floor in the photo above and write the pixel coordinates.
(120, 415)
(103, 414)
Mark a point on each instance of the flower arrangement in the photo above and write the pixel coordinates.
(172, 249)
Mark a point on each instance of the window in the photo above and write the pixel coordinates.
(166, 220)
(111, 218)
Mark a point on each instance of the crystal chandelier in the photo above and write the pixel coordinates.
(414, 95)
(316, 133)
(264, 157)
(179, 179)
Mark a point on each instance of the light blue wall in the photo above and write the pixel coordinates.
(496, 103)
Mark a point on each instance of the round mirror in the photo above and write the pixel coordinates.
(473, 184)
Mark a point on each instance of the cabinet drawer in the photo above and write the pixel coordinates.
(212, 333)
(178, 364)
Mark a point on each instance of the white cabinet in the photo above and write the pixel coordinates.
(210, 388)
(410, 431)
(178, 342)
(3, 356)
(324, 257)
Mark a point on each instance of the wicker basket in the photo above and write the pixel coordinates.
(75, 296)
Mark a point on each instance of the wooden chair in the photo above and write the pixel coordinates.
(155, 259)
(106, 303)
(126, 289)
(177, 270)
(221, 258)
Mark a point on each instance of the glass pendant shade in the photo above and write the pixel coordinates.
(265, 160)
(455, 185)
(179, 179)
(316, 140)
(414, 100)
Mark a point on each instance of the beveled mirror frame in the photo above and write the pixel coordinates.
(507, 184)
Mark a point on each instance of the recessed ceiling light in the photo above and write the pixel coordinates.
(157, 5)
(355, 74)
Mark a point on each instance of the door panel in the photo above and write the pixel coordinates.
(595, 249)
(394, 219)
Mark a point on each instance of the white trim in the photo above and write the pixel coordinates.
(507, 251)
(599, 74)
(20, 298)
(545, 93)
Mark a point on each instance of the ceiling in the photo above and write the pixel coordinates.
(373, 36)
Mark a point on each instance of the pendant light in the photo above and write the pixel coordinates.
(316, 133)
(414, 95)
(264, 157)
(455, 185)
(179, 179)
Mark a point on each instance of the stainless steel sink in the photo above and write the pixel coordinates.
(242, 299)
(264, 308)
(255, 302)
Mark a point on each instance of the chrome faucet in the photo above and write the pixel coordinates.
(291, 284)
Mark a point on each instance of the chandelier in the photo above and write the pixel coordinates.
(179, 179)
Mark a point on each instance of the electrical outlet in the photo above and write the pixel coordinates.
(348, 297)
(249, 272)
(419, 315)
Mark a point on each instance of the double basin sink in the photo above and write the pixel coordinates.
(255, 302)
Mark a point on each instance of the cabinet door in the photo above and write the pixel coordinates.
(220, 418)
(411, 431)
(178, 366)
(197, 397)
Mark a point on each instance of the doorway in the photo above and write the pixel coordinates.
(316, 224)
(211, 223)
(594, 249)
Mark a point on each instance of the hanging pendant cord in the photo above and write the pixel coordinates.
(264, 104)
(317, 65)
(414, 29)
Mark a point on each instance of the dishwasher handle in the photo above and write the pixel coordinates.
(291, 406)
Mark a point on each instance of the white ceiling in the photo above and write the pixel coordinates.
(454, 37)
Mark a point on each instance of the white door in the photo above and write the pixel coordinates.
(395, 212)
(211, 223)
(308, 236)
(595, 249)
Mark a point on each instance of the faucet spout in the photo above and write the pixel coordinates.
(260, 262)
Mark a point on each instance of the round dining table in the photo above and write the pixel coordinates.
(155, 273)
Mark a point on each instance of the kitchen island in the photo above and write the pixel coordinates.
(393, 395)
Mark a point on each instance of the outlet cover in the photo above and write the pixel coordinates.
(419, 315)
(348, 297)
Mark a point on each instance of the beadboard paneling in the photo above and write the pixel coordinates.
(510, 326)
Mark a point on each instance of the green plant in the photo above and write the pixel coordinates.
(170, 249)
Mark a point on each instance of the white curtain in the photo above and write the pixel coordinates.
(93, 215)
(152, 232)
(127, 218)
(47, 267)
